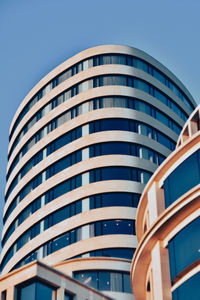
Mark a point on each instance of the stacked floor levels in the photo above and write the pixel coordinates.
(83, 144)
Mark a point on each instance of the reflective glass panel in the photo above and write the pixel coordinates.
(183, 178)
(188, 289)
(184, 248)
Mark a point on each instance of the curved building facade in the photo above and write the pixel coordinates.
(166, 264)
(83, 144)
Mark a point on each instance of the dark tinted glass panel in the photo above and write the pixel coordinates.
(182, 179)
(114, 124)
(59, 216)
(141, 85)
(115, 148)
(159, 76)
(116, 199)
(188, 290)
(60, 242)
(104, 281)
(118, 252)
(43, 292)
(137, 63)
(28, 292)
(184, 248)
(78, 207)
(117, 227)
(88, 278)
(68, 297)
(116, 173)
(61, 189)
(35, 291)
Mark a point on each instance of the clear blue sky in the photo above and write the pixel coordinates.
(37, 35)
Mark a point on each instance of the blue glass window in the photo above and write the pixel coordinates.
(105, 281)
(114, 252)
(114, 227)
(178, 183)
(115, 148)
(35, 291)
(68, 297)
(114, 124)
(115, 173)
(184, 248)
(188, 289)
(117, 199)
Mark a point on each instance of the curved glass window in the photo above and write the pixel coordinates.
(112, 227)
(96, 82)
(101, 125)
(96, 201)
(95, 126)
(184, 248)
(102, 60)
(178, 182)
(107, 173)
(108, 227)
(108, 148)
(188, 289)
(105, 280)
(114, 199)
(94, 150)
(88, 106)
(126, 253)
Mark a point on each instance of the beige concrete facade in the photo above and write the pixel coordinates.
(149, 122)
(59, 281)
(156, 225)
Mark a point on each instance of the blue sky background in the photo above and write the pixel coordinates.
(37, 35)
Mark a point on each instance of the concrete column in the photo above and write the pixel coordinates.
(85, 204)
(85, 232)
(60, 293)
(161, 273)
(193, 128)
(85, 130)
(155, 202)
(85, 154)
(11, 293)
(85, 178)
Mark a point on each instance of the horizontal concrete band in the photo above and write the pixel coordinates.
(70, 223)
(92, 116)
(98, 71)
(86, 141)
(95, 243)
(82, 167)
(96, 51)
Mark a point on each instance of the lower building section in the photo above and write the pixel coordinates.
(37, 281)
(109, 275)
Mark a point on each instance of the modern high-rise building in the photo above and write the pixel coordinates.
(83, 144)
(166, 264)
